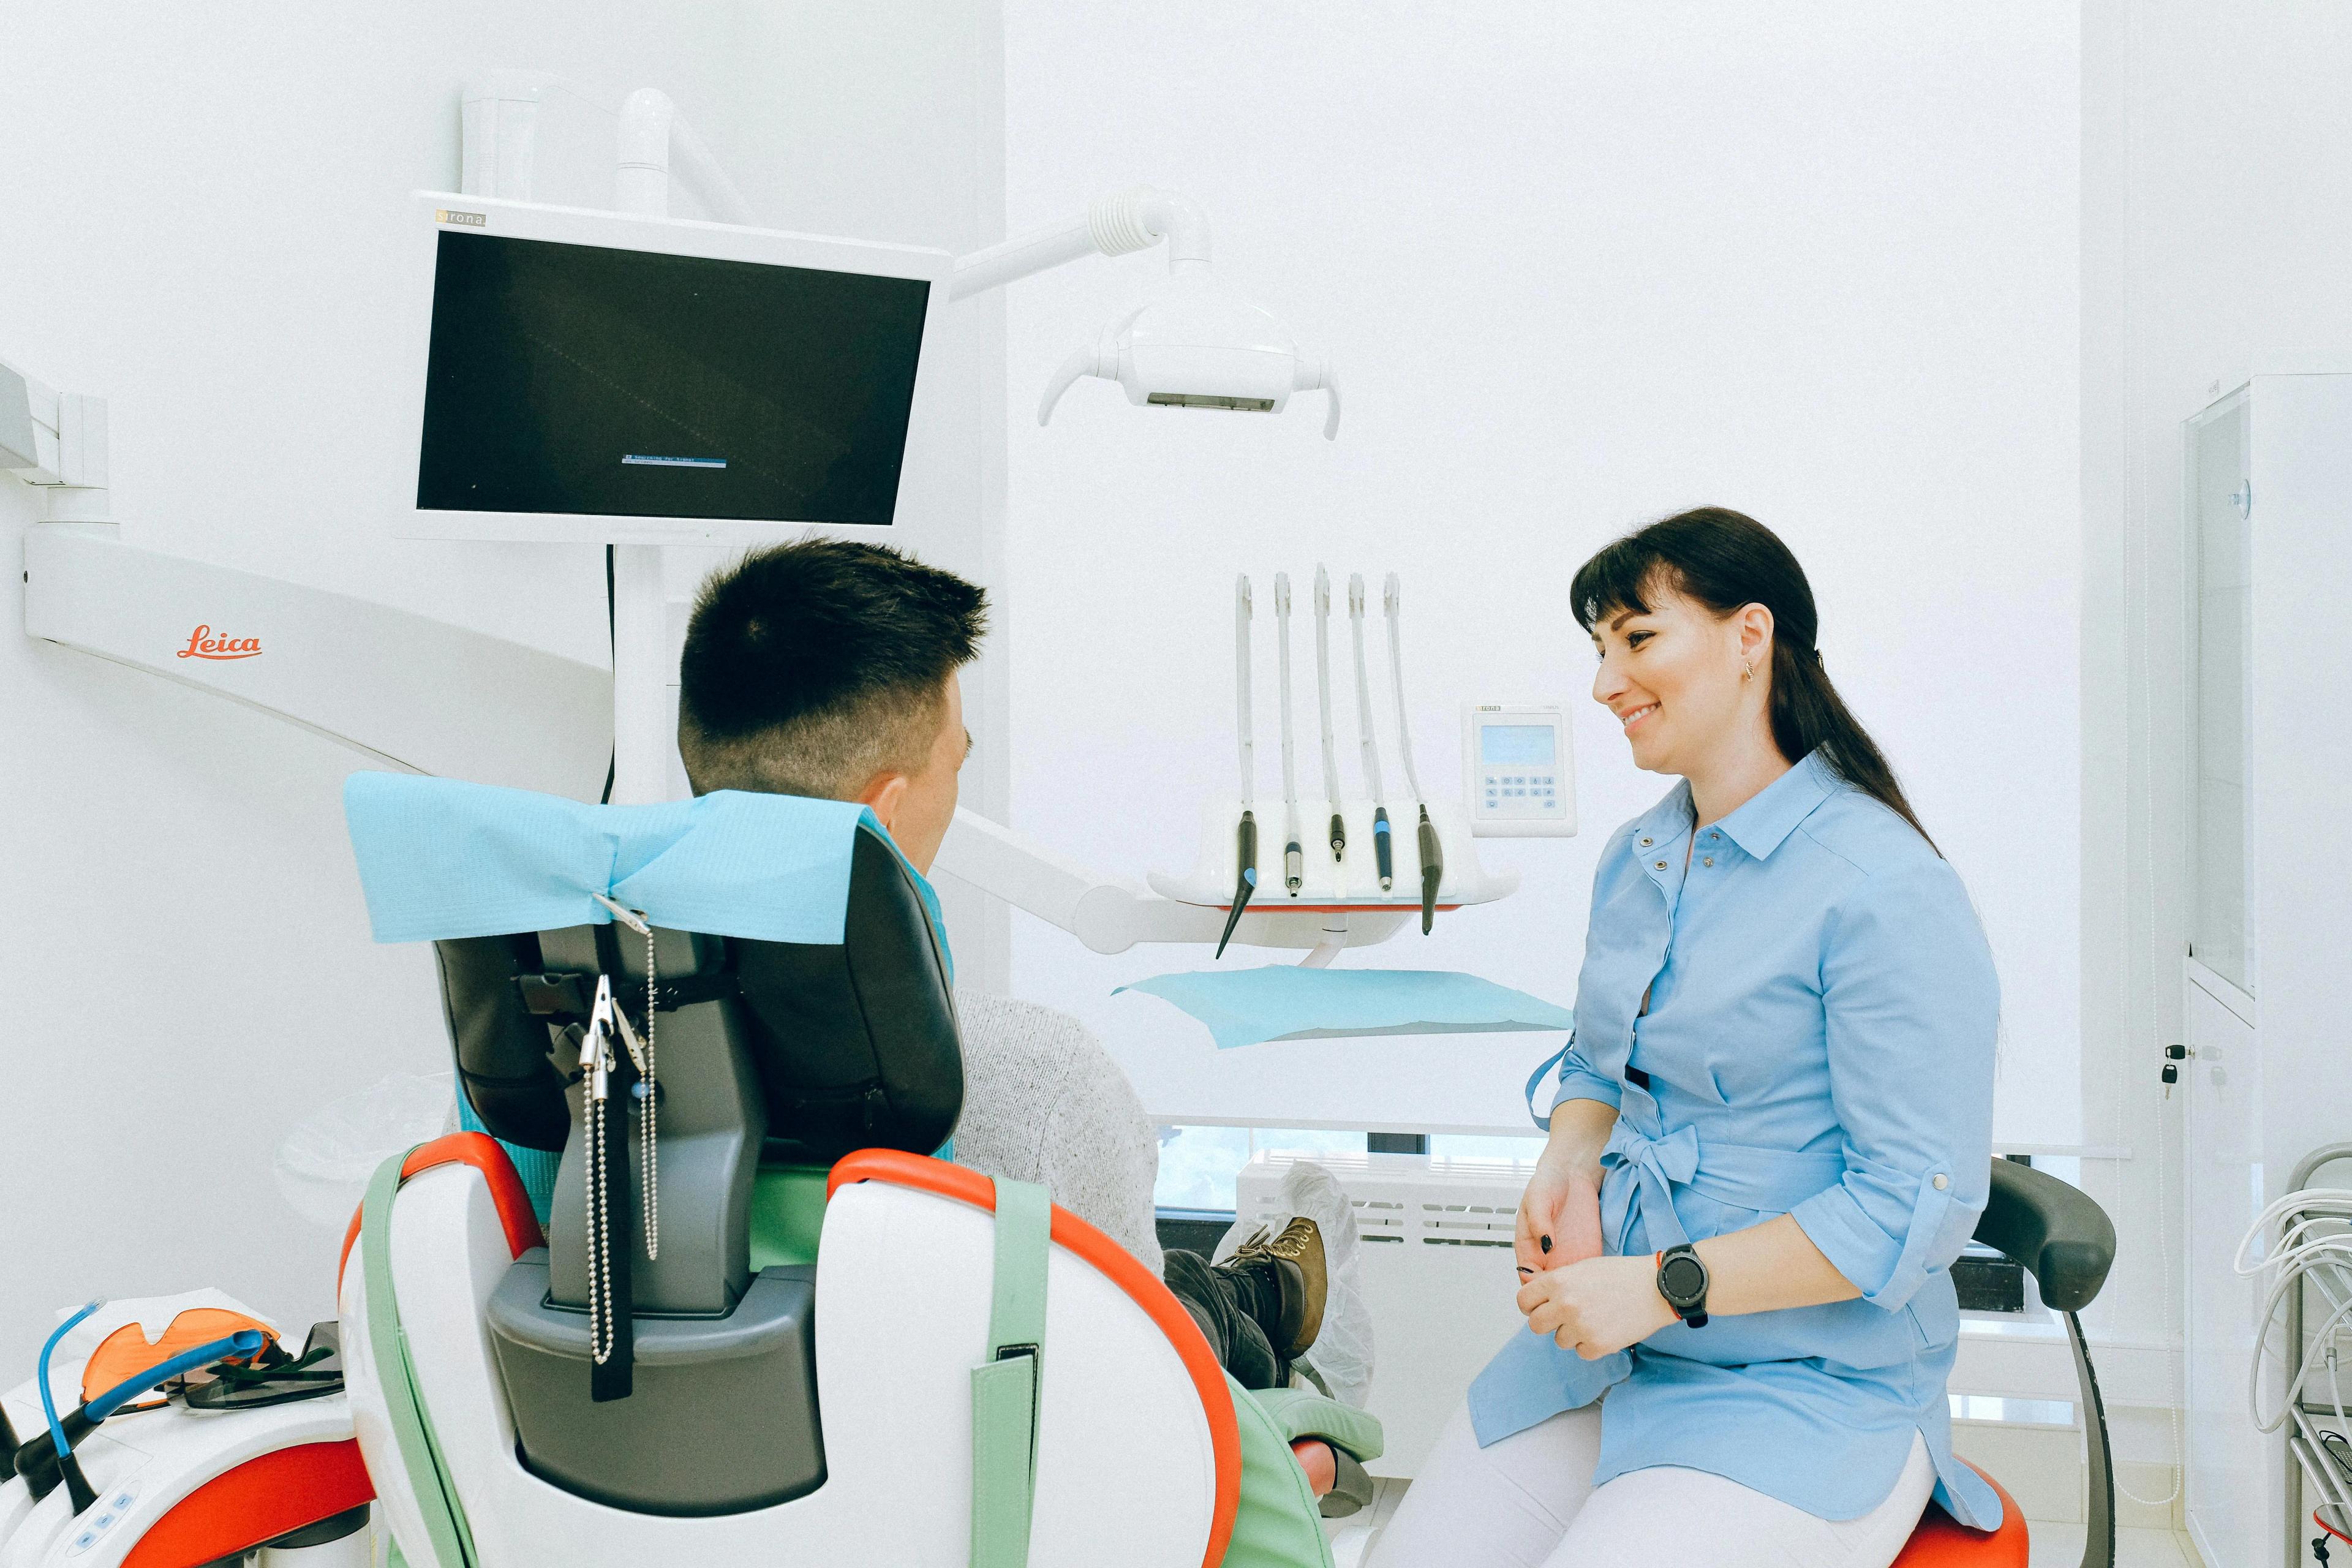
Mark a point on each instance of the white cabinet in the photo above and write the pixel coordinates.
(2268, 531)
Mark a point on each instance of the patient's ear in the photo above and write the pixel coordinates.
(886, 794)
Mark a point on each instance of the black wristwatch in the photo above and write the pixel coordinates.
(1682, 1281)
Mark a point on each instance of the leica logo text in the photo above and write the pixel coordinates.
(201, 643)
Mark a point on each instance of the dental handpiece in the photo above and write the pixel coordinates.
(1432, 857)
(1293, 861)
(1323, 693)
(1245, 838)
(1383, 856)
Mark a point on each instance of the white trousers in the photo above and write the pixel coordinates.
(1529, 1500)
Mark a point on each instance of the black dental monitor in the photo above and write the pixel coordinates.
(599, 376)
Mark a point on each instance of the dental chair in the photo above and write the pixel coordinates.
(841, 1351)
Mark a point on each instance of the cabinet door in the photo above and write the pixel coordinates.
(2228, 1494)
(2220, 924)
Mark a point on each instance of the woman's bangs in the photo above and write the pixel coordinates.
(1612, 582)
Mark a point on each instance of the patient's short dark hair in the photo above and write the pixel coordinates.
(811, 666)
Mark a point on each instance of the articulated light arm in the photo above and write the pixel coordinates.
(1114, 224)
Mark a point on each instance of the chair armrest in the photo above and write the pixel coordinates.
(2055, 1232)
(1301, 1413)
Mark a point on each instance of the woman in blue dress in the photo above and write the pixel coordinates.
(1771, 1135)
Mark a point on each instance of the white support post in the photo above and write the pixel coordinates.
(645, 735)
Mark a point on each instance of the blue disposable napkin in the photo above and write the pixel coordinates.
(441, 858)
(1284, 1002)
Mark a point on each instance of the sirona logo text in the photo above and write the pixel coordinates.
(201, 643)
(471, 220)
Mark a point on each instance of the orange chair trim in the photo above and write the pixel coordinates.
(258, 1500)
(480, 1150)
(1115, 1263)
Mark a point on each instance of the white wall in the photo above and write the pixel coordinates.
(2216, 175)
(198, 201)
(1577, 266)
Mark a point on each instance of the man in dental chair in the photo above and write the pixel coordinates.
(829, 669)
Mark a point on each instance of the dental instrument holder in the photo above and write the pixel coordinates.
(1347, 910)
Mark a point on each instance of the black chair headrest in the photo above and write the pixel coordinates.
(2055, 1232)
(855, 1044)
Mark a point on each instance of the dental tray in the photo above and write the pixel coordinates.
(1323, 887)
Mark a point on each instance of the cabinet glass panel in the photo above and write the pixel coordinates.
(2220, 924)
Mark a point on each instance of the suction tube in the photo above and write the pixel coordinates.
(1432, 857)
(1384, 853)
(1245, 840)
(1294, 861)
(78, 1485)
(44, 1463)
(1323, 694)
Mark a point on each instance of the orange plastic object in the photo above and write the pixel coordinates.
(1941, 1541)
(480, 1150)
(1116, 1264)
(127, 1351)
(257, 1501)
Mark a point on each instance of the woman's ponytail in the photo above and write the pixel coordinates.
(1726, 560)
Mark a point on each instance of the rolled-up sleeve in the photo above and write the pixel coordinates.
(1912, 1006)
(1578, 1080)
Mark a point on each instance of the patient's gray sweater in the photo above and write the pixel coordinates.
(1043, 1103)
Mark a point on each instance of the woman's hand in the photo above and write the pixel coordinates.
(1560, 1214)
(1597, 1307)
(1559, 1217)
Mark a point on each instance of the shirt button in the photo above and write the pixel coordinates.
(1942, 1181)
(1647, 842)
(1708, 861)
(1660, 864)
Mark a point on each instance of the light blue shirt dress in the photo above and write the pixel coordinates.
(1819, 1042)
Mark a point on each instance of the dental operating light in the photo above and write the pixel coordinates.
(1197, 345)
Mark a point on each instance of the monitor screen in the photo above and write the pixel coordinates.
(586, 380)
(1515, 745)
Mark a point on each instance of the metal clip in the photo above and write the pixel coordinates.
(626, 915)
(636, 1046)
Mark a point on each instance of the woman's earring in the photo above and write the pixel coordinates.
(1747, 670)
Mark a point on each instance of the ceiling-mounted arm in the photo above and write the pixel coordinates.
(653, 136)
(1112, 225)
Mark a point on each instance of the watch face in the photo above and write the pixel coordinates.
(1681, 1280)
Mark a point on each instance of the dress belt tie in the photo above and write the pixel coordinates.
(1771, 1181)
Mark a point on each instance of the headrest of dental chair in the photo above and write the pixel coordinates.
(853, 1042)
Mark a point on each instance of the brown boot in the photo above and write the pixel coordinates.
(1295, 1261)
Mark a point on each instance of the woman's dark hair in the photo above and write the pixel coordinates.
(1726, 560)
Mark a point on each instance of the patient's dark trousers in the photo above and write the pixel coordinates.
(1230, 1310)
